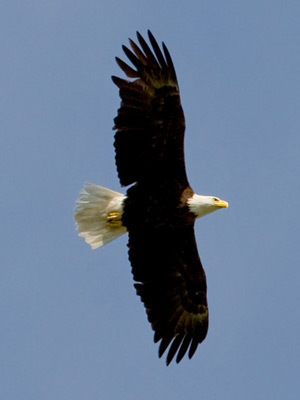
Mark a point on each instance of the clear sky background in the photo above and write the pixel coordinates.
(72, 326)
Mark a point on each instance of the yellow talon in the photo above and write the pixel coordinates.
(114, 218)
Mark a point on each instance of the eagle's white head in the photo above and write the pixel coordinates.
(203, 205)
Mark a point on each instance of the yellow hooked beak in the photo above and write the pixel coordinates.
(221, 203)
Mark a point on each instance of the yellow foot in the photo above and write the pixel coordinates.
(114, 218)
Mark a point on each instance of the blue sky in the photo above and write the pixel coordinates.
(71, 324)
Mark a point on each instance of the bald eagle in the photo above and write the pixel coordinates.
(160, 208)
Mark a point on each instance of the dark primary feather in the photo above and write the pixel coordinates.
(149, 144)
(150, 122)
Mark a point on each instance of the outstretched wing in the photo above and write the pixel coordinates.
(172, 286)
(150, 122)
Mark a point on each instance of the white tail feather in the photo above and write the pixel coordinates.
(93, 208)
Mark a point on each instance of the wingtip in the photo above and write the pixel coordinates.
(114, 79)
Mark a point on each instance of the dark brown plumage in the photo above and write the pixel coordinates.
(149, 144)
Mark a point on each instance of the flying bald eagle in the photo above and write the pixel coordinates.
(160, 208)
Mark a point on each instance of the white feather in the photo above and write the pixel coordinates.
(202, 205)
(92, 209)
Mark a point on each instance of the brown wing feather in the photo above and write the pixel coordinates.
(150, 122)
(172, 286)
